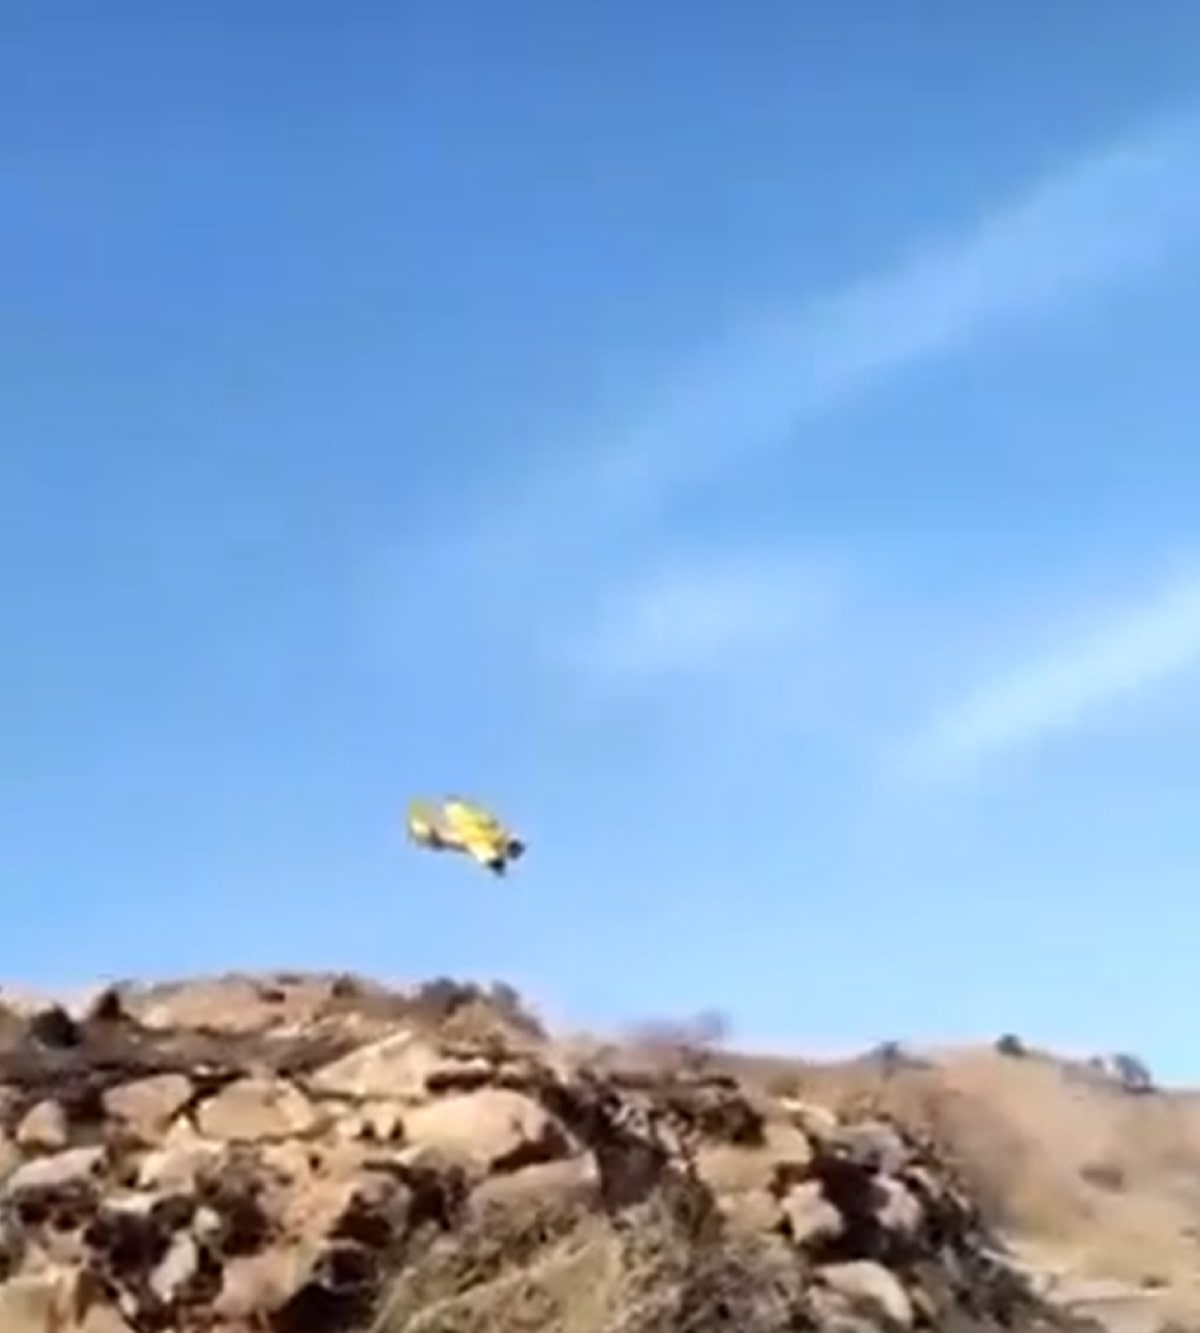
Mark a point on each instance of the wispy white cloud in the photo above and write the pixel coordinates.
(1104, 221)
(706, 614)
(1124, 654)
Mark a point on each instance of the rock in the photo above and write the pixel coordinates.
(787, 1142)
(104, 1319)
(44, 1129)
(244, 1203)
(818, 1122)
(375, 1215)
(754, 1211)
(147, 1106)
(468, 1072)
(500, 1129)
(875, 1144)
(899, 1211)
(176, 1269)
(34, 1302)
(139, 1203)
(255, 1108)
(59, 1171)
(830, 1313)
(14, 1240)
(176, 1168)
(809, 1215)
(257, 1284)
(10, 1157)
(221, 1004)
(207, 1224)
(54, 1028)
(339, 1293)
(127, 1239)
(785, 1152)
(573, 1177)
(338, 1158)
(312, 1207)
(338, 1194)
(397, 1069)
(183, 1133)
(728, 1170)
(871, 1289)
(55, 1299)
(292, 1160)
(923, 1182)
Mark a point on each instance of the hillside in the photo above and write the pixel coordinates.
(318, 1154)
(1084, 1177)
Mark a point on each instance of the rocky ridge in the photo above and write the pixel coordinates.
(322, 1155)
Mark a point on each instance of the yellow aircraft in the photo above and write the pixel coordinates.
(461, 826)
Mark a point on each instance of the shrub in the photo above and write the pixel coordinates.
(1132, 1073)
(1104, 1175)
(687, 1043)
(892, 1056)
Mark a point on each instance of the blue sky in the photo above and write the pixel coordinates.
(755, 446)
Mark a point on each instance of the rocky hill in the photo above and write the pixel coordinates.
(319, 1155)
(1093, 1179)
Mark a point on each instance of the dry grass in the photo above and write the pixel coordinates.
(642, 1278)
(525, 1265)
(568, 1286)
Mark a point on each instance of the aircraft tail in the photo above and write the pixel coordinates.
(422, 826)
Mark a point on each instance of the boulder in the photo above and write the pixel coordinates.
(870, 1289)
(257, 1108)
(395, 1069)
(899, 1210)
(176, 1166)
(254, 1284)
(59, 1171)
(811, 1219)
(497, 1128)
(44, 1129)
(147, 1106)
